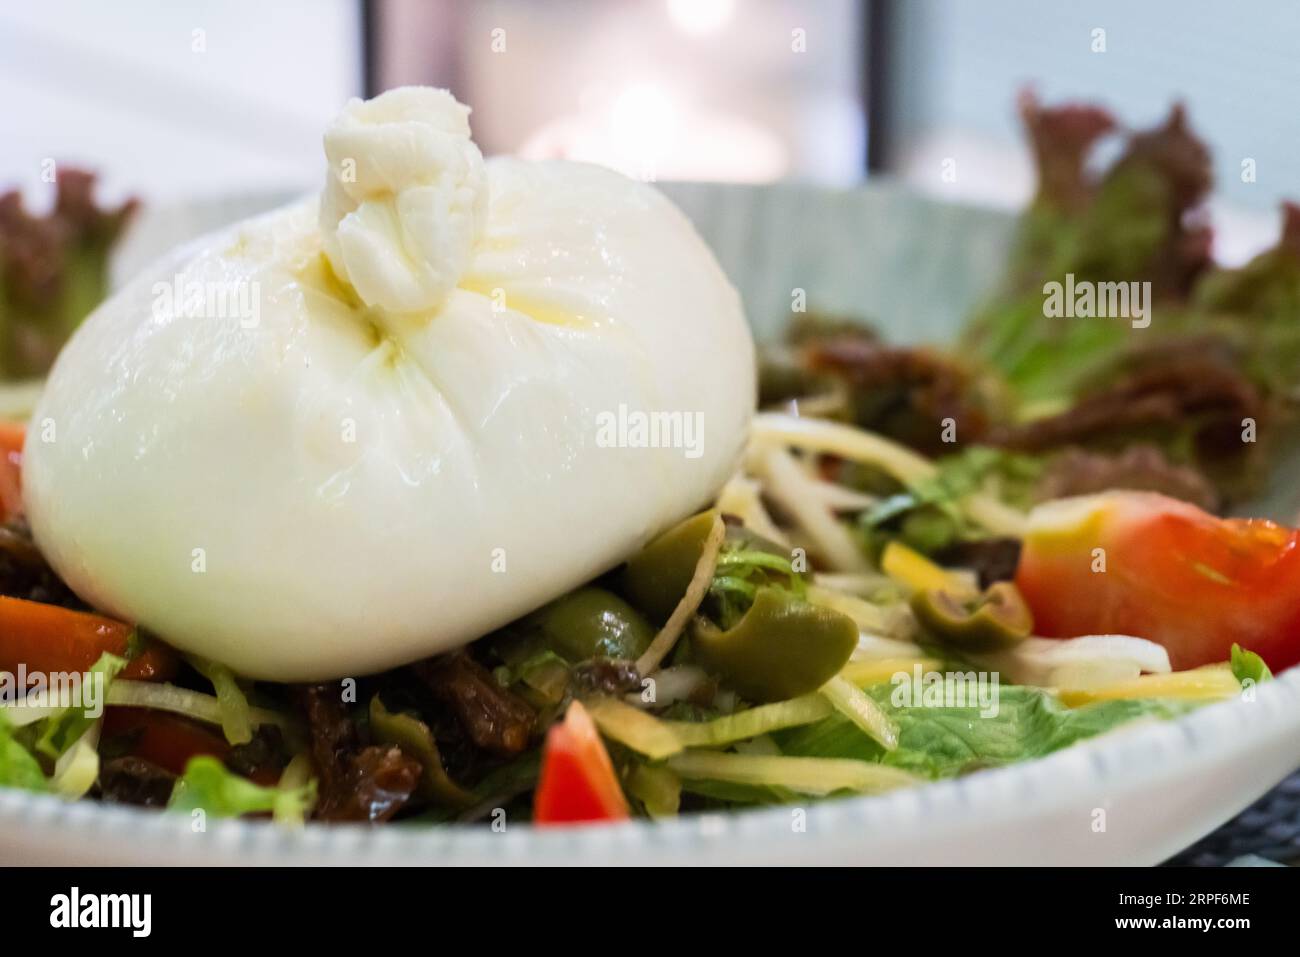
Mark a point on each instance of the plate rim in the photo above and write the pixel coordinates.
(1138, 754)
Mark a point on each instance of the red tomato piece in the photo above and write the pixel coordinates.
(167, 740)
(578, 783)
(1137, 563)
(11, 465)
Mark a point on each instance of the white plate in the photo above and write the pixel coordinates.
(1134, 796)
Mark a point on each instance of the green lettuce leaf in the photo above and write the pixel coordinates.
(209, 786)
(1130, 223)
(1255, 308)
(54, 269)
(939, 742)
(236, 716)
(60, 731)
(746, 563)
(18, 766)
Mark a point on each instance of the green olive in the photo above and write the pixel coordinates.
(782, 646)
(593, 623)
(416, 741)
(996, 619)
(656, 577)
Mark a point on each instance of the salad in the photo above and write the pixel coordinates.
(926, 563)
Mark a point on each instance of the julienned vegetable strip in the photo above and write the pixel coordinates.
(868, 617)
(642, 732)
(874, 671)
(67, 726)
(854, 704)
(695, 592)
(658, 739)
(235, 723)
(297, 775)
(844, 441)
(815, 776)
(192, 704)
(741, 497)
(788, 486)
(1211, 683)
(657, 788)
(77, 769)
(867, 448)
(751, 723)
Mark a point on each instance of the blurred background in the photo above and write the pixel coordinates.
(194, 98)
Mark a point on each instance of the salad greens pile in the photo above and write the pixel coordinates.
(939, 741)
(53, 270)
(1195, 401)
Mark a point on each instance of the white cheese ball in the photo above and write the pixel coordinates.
(351, 434)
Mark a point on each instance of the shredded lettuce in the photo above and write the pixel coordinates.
(861, 709)
(18, 766)
(236, 716)
(803, 775)
(931, 513)
(297, 774)
(77, 769)
(751, 722)
(63, 729)
(659, 738)
(634, 728)
(209, 786)
(939, 742)
(658, 789)
(193, 704)
(746, 563)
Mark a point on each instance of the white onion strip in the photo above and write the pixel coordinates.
(788, 486)
(867, 448)
(1088, 662)
(741, 497)
(193, 704)
(844, 441)
(841, 498)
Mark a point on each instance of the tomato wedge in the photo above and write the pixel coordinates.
(11, 464)
(50, 638)
(1137, 563)
(166, 740)
(577, 784)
